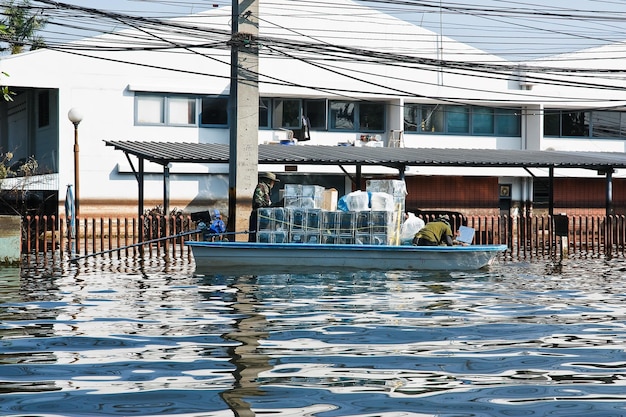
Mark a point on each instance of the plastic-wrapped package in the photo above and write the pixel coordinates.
(409, 228)
(382, 201)
(358, 201)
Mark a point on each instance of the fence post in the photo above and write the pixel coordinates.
(561, 226)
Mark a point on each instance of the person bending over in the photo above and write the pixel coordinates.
(435, 233)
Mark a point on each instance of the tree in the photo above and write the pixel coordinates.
(4, 90)
(20, 27)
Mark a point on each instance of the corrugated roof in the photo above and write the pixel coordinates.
(164, 153)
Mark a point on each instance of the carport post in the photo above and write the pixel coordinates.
(140, 182)
(166, 189)
(609, 191)
(551, 192)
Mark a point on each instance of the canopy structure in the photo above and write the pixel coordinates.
(165, 153)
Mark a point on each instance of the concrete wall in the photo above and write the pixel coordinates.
(10, 239)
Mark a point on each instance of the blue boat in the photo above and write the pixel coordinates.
(294, 257)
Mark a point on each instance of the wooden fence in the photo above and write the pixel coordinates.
(46, 239)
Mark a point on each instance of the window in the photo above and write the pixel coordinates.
(552, 123)
(508, 122)
(411, 118)
(342, 115)
(458, 119)
(483, 121)
(472, 120)
(43, 109)
(264, 113)
(214, 111)
(315, 110)
(575, 123)
(361, 116)
(371, 117)
(541, 192)
(587, 124)
(182, 111)
(608, 124)
(149, 109)
(286, 114)
(432, 119)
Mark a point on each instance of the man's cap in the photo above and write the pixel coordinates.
(269, 176)
(444, 218)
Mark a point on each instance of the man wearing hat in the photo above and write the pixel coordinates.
(261, 198)
(435, 233)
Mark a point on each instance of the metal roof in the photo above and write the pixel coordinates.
(164, 153)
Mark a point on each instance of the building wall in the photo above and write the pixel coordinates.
(103, 84)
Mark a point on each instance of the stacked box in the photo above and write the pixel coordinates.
(397, 188)
(312, 196)
(382, 222)
(271, 237)
(329, 221)
(372, 239)
(304, 224)
(329, 239)
(271, 219)
(296, 218)
(346, 222)
(304, 237)
(338, 227)
(346, 239)
(303, 196)
(374, 227)
(314, 219)
(292, 195)
(364, 222)
(337, 239)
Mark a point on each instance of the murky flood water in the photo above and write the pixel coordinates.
(108, 338)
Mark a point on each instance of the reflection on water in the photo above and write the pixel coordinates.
(115, 338)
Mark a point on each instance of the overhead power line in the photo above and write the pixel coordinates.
(186, 34)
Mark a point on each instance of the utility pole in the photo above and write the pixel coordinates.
(243, 113)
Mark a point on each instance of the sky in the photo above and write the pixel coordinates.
(515, 30)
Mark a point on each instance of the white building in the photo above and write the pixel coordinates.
(369, 75)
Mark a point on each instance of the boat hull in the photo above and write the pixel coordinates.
(218, 256)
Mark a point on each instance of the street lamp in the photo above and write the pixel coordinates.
(76, 117)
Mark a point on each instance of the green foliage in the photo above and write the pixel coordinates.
(4, 90)
(154, 222)
(5, 170)
(6, 93)
(23, 168)
(20, 27)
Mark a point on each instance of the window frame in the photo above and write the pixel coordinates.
(293, 111)
(145, 97)
(224, 112)
(354, 118)
(193, 113)
(319, 121)
(591, 124)
(438, 119)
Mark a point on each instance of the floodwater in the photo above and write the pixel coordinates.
(112, 338)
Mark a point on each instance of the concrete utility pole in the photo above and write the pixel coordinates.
(244, 114)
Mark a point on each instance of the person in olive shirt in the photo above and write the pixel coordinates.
(261, 198)
(435, 233)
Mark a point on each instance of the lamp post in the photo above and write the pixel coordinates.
(76, 117)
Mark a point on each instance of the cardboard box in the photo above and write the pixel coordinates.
(329, 199)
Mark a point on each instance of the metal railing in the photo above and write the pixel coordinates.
(527, 237)
(48, 239)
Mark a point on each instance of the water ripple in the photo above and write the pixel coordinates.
(519, 339)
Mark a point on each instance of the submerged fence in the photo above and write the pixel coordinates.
(46, 239)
